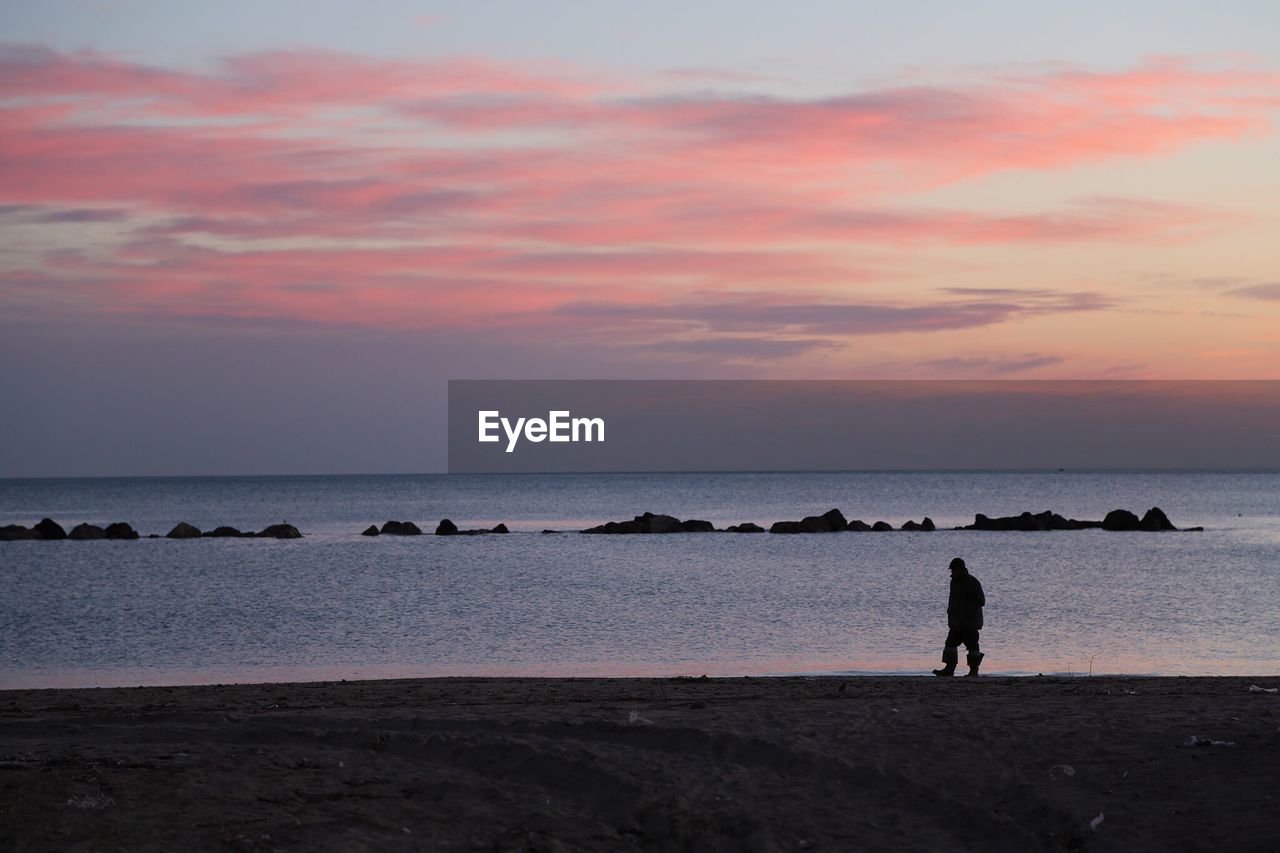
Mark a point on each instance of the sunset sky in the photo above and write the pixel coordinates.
(259, 238)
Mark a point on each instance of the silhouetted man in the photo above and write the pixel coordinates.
(964, 620)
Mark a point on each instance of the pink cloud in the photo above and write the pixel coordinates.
(272, 82)
(430, 193)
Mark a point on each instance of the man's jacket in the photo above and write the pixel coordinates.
(964, 606)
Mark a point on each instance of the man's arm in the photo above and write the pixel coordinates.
(978, 596)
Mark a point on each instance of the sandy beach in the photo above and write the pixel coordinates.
(682, 763)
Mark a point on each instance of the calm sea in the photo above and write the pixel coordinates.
(338, 605)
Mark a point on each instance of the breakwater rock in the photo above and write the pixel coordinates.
(45, 529)
(87, 531)
(1120, 520)
(121, 530)
(49, 529)
(396, 528)
(745, 527)
(444, 528)
(280, 531)
(833, 521)
(448, 528)
(182, 530)
(1029, 522)
(829, 522)
(651, 523)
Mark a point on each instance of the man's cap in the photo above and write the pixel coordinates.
(957, 563)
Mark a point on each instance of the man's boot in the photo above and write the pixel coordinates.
(975, 661)
(950, 657)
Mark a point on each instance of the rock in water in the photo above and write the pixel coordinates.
(182, 530)
(281, 531)
(633, 526)
(745, 527)
(1030, 523)
(830, 521)
(222, 532)
(401, 528)
(881, 526)
(858, 526)
(371, 530)
(87, 531)
(1120, 519)
(835, 519)
(660, 523)
(121, 530)
(1155, 519)
(448, 528)
(1046, 520)
(49, 529)
(653, 523)
(16, 532)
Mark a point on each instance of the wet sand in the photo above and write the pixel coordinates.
(688, 764)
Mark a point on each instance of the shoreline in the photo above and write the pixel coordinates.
(765, 762)
(923, 673)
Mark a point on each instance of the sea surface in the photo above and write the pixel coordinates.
(335, 604)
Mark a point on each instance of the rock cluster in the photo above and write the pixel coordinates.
(444, 528)
(745, 527)
(117, 530)
(1153, 520)
(1027, 521)
(651, 523)
(829, 522)
(393, 528)
(183, 530)
(833, 521)
(48, 529)
(448, 528)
